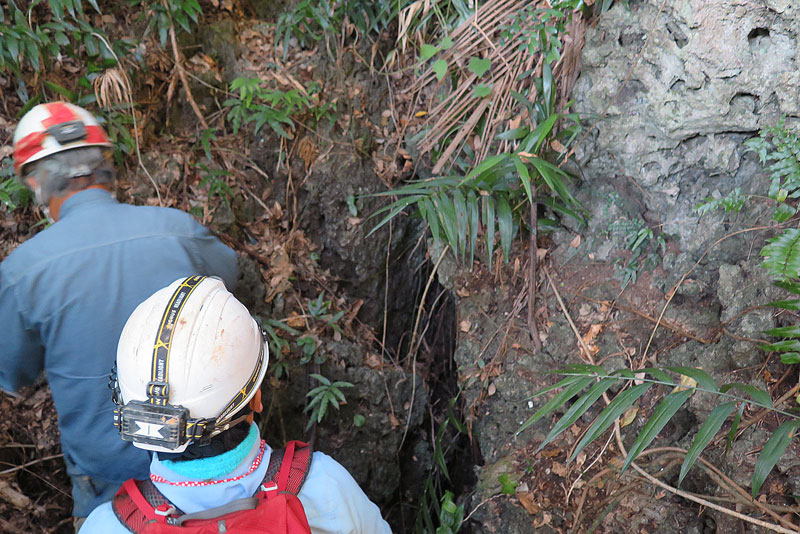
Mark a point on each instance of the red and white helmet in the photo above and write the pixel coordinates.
(55, 127)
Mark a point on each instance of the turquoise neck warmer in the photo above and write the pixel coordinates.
(215, 466)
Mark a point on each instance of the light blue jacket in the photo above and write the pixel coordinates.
(332, 500)
(65, 295)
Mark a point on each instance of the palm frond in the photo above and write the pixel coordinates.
(598, 381)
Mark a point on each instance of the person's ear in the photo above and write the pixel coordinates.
(255, 402)
(30, 181)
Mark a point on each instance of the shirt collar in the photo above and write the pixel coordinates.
(84, 198)
(162, 469)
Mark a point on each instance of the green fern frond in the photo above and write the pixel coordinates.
(782, 255)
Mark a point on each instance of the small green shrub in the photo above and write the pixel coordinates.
(326, 394)
(184, 14)
(312, 21)
(13, 194)
(259, 105)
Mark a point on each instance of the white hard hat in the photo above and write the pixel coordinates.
(54, 127)
(191, 351)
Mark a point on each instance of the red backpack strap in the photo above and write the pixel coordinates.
(288, 468)
(138, 502)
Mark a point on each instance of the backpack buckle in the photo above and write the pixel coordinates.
(272, 487)
(165, 509)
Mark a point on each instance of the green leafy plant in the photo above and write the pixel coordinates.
(451, 515)
(311, 21)
(508, 485)
(118, 124)
(778, 148)
(13, 194)
(489, 198)
(542, 29)
(278, 346)
(34, 39)
(731, 203)
(217, 186)
(259, 105)
(438, 514)
(496, 194)
(326, 394)
(644, 245)
(184, 13)
(319, 309)
(585, 384)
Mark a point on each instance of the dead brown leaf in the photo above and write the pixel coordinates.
(528, 501)
(295, 321)
(373, 361)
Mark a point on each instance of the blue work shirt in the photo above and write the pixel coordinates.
(65, 295)
(331, 498)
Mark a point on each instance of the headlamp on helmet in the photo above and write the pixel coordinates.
(191, 383)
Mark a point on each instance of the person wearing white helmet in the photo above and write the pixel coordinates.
(65, 293)
(189, 368)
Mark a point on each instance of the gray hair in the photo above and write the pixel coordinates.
(57, 174)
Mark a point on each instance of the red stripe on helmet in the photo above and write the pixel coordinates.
(95, 135)
(26, 148)
(60, 113)
(31, 144)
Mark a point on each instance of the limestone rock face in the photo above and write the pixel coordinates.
(677, 91)
(711, 74)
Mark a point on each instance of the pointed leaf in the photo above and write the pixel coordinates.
(320, 378)
(772, 452)
(609, 415)
(447, 218)
(658, 374)
(479, 66)
(394, 208)
(784, 331)
(790, 358)
(704, 436)
(506, 226)
(488, 223)
(473, 221)
(793, 305)
(785, 345)
(560, 384)
(459, 203)
(485, 165)
(792, 287)
(699, 376)
(427, 51)
(533, 141)
(554, 178)
(513, 134)
(431, 217)
(572, 388)
(759, 396)
(439, 68)
(578, 408)
(524, 177)
(661, 416)
(734, 426)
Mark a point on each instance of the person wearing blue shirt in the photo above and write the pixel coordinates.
(65, 293)
(191, 353)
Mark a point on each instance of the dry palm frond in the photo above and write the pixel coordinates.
(418, 19)
(513, 70)
(110, 88)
